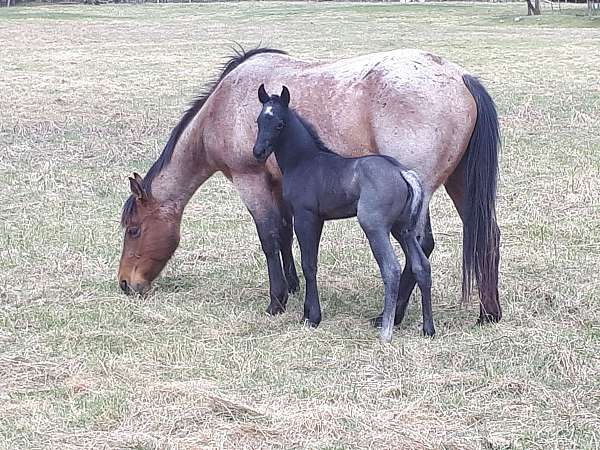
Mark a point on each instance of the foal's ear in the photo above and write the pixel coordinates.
(285, 96)
(262, 94)
(137, 189)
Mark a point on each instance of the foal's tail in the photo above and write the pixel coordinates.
(416, 196)
(481, 236)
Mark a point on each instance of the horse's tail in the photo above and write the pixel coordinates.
(481, 236)
(416, 196)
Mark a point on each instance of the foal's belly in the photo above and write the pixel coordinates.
(330, 196)
(339, 211)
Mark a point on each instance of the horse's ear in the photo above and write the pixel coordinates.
(262, 94)
(136, 187)
(285, 96)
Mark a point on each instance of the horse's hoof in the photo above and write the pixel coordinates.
(429, 332)
(489, 318)
(310, 323)
(275, 308)
(293, 284)
(386, 338)
(376, 321)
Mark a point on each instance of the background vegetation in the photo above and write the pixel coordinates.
(90, 94)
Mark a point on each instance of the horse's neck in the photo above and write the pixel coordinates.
(297, 146)
(188, 169)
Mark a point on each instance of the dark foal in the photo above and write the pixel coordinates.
(320, 185)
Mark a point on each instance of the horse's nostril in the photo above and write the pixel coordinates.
(123, 285)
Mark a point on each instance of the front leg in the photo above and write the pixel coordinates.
(257, 193)
(308, 229)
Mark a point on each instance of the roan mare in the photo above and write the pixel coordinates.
(320, 185)
(414, 106)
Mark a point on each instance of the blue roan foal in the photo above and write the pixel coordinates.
(320, 185)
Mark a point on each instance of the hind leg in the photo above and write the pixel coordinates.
(489, 303)
(389, 267)
(407, 280)
(421, 270)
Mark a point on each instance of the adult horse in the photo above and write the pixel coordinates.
(417, 107)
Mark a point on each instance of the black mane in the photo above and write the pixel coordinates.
(165, 157)
(313, 134)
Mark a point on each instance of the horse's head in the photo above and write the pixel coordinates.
(151, 237)
(271, 121)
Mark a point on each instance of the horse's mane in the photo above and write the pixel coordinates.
(163, 160)
(313, 134)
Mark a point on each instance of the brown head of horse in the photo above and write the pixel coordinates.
(151, 238)
(426, 112)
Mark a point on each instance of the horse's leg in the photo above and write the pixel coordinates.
(257, 194)
(489, 305)
(286, 238)
(407, 280)
(421, 270)
(308, 231)
(389, 267)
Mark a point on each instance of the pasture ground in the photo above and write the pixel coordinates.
(89, 94)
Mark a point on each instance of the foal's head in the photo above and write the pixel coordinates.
(271, 121)
(151, 237)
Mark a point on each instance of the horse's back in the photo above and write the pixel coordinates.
(408, 104)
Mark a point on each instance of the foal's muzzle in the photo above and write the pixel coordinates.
(262, 153)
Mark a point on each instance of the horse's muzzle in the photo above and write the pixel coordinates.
(125, 287)
(134, 288)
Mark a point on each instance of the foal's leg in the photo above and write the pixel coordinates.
(308, 231)
(379, 240)
(421, 270)
(257, 194)
(407, 280)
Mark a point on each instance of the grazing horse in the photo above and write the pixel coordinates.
(409, 104)
(320, 185)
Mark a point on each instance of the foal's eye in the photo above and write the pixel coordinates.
(279, 126)
(133, 232)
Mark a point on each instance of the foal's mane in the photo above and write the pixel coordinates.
(313, 134)
(163, 160)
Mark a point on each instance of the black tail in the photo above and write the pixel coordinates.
(481, 236)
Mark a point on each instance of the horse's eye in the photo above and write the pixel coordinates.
(133, 232)
(279, 126)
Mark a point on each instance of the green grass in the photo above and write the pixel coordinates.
(89, 94)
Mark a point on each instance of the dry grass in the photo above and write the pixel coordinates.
(89, 94)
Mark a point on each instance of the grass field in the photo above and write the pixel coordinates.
(89, 94)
